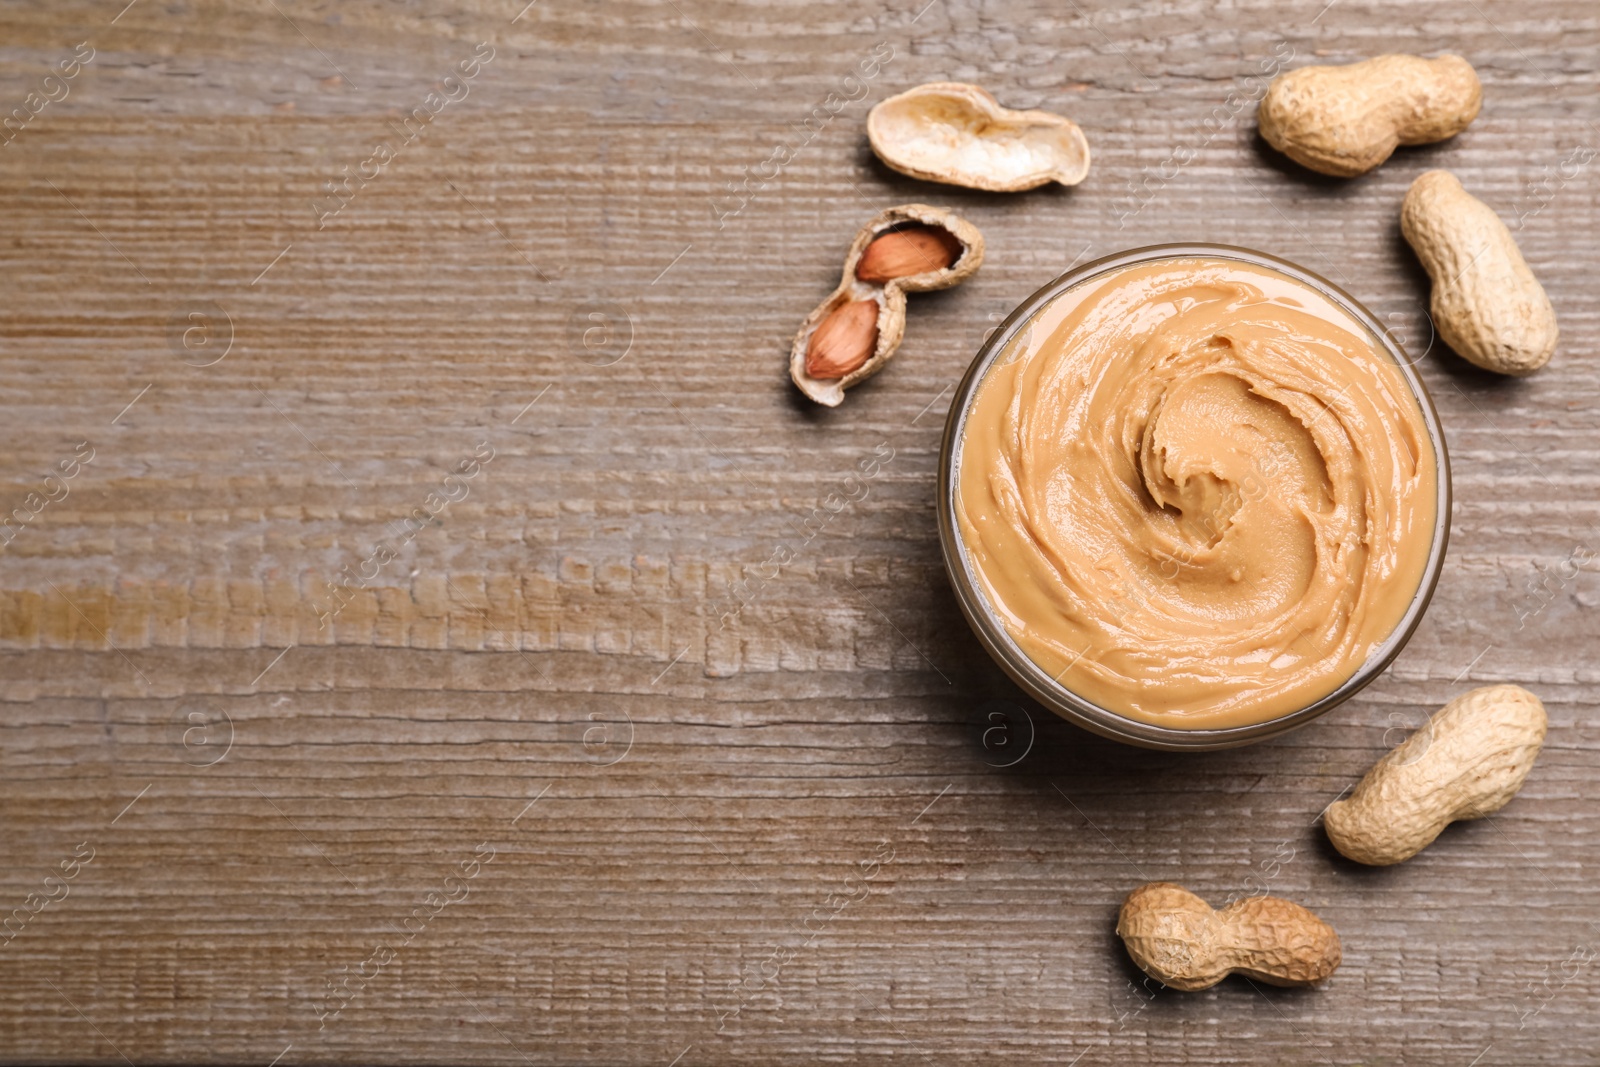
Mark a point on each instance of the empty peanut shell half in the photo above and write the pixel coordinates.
(853, 333)
(959, 134)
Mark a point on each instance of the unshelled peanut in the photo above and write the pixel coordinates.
(1345, 121)
(1181, 941)
(1467, 762)
(1486, 304)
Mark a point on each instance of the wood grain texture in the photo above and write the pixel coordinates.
(768, 819)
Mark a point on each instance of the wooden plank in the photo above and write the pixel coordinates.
(578, 657)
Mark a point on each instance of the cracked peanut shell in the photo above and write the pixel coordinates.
(846, 339)
(959, 134)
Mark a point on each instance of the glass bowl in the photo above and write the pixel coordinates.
(1038, 682)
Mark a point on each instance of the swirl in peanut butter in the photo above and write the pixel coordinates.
(1197, 492)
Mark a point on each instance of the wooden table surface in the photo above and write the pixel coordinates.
(572, 771)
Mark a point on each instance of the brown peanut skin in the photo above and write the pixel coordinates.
(903, 253)
(1486, 303)
(844, 341)
(1181, 941)
(1345, 121)
(1467, 762)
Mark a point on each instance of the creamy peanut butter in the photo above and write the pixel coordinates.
(1197, 492)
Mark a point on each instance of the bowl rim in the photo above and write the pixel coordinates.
(1034, 679)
